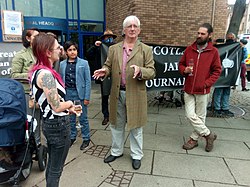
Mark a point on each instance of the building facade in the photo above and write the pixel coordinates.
(79, 20)
(169, 22)
(163, 22)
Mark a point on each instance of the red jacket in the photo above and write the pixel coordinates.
(206, 70)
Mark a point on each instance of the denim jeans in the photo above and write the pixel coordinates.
(71, 94)
(221, 98)
(57, 134)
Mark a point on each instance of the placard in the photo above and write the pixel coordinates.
(12, 26)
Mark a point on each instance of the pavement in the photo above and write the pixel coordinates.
(165, 163)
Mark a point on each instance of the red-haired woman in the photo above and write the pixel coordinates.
(49, 92)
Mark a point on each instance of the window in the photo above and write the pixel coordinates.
(6, 5)
(72, 9)
(92, 10)
(3, 5)
(91, 27)
(28, 8)
(73, 25)
(55, 9)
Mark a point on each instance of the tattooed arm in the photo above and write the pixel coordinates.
(46, 81)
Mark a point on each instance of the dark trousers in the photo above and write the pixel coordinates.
(105, 106)
(105, 100)
(57, 133)
(243, 75)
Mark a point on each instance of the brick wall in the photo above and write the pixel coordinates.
(170, 22)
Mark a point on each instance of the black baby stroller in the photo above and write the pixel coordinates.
(17, 142)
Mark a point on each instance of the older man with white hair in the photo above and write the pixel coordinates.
(130, 63)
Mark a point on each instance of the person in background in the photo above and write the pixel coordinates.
(243, 65)
(20, 66)
(95, 52)
(199, 78)
(49, 92)
(221, 95)
(63, 55)
(75, 73)
(130, 63)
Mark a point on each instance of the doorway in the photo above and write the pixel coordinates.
(61, 37)
(88, 45)
(85, 43)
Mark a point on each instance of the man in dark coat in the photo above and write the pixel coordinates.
(100, 52)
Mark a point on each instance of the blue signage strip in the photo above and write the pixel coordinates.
(46, 23)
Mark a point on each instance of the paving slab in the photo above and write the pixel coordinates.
(125, 163)
(118, 178)
(74, 151)
(158, 181)
(248, 145)
(240, 170)
(239, 123)
(172, 111)
(209, 184)
(105, 184)
(247, 115)
(185, 166)
(103, 137)
(153, 110)
(173, 130)
(224, 149)
(150, 128)
(232, 134)
(36, 177)
(93, 112)
(163, 143)
(184, 120)
(97, 124)
(217, 122)
(164, 118)
(84, 171)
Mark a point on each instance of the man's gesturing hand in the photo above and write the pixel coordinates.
(137, 72)
(99, 73)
